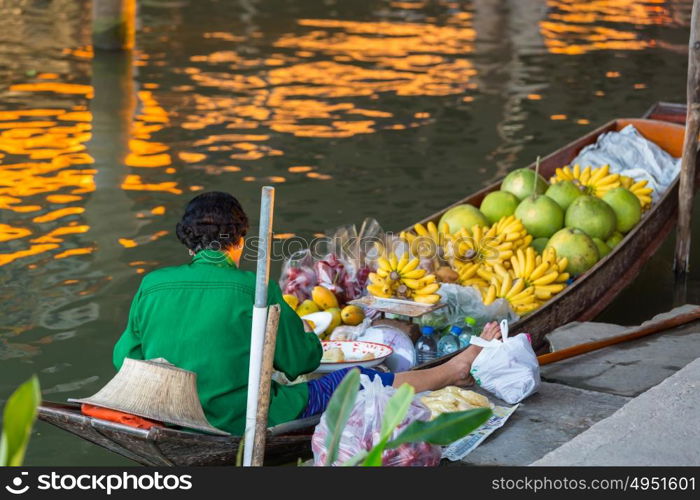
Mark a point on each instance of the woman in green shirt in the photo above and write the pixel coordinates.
(198, 317)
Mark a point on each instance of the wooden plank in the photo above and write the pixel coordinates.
(686, 192)
(399, 307)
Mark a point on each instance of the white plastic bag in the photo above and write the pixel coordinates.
(507, 368)
(363, 430)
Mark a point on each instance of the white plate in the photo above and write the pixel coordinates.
(321, 320)
(354, 349)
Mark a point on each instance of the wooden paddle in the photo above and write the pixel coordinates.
(266, 367)
(655, 327)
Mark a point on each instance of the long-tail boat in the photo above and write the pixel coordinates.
(663, 124)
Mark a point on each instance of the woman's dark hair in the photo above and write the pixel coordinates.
(212, 220)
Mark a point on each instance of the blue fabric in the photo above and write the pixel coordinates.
(321, 389)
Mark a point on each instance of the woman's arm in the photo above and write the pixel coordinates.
(297, 351)
(129, 344)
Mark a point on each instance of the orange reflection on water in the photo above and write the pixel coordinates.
(577, 26)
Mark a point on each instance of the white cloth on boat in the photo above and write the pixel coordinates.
(629, 153)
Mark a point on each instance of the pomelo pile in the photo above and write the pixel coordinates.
(527, 240)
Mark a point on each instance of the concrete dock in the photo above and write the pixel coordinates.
(635, 403)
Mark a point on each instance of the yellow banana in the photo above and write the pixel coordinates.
(427, 299)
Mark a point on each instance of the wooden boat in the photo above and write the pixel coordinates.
(581, 301)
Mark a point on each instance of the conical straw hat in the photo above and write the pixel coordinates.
(154, 389)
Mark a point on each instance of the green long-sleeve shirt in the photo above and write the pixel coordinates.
(198, 316)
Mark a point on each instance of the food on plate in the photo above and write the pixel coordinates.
(451, 399)
(333, 355)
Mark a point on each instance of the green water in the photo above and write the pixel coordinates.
(350, 108)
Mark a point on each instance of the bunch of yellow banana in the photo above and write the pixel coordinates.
(401, 278)
(468, 276)
(478, 247)
(595, 181)
(426, 241)
(522, 299)
(544, 273)
(640, 190)
(514, 231)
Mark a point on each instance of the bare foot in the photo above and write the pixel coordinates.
(460, 365)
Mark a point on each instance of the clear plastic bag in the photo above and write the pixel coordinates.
(507, 368)
(298, 275)
(363, 429)
(463, 301)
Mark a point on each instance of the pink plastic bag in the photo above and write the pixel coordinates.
(298, 275)
(363, 429)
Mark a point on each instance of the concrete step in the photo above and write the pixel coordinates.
(546, 420)
(627, 369)
(657, 428)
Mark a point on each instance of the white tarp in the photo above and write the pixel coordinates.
(629, 153)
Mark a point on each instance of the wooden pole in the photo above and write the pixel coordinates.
(113, 24)
(268, 358)
(690, 145)
(655, 327)
(257, 334)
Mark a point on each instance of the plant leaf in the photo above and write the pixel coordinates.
(18, 419)
(374, 456)
(396, 409)
(355, 460)
(443, 430)
(394, 413)
(338, 412)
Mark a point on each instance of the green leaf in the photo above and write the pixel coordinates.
(18, 419)
(338, 412)
(355, 460)
(443, 430)
(396, 409)
(394, 413)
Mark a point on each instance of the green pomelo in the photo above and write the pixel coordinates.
(498, 204)
(593, 216)
(466, 216)
(541, 216)
(626, 206)
(580, 250)
(603, 248)
(539, 244)
(521, 182)
(614, 240)
(564, 193)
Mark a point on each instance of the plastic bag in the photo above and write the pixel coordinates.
(403, 357)
(507, 368)
(463, 301)
(363, 429)
(629, 153)
(298, 275)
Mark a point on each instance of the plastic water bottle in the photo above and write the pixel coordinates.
(467, 332)
(449, 342)
(426, 347)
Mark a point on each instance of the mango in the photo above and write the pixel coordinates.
(324, 298)
(307, 307)
(291, 300)
(336, 321)
(352, 315)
